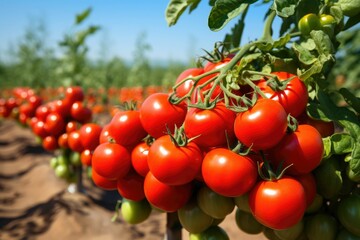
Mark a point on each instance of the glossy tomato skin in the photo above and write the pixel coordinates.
(262, 126)
(55, 124)
(90, 135)
(303, 148)
(85, 157)
(278, 204)
(308, 23)
(126, 129)
(80, 112)
(74, 94)
(165, 197)
(172, 164)
(238, 173)
(111, 161)
(49, 143)
(131, 186)
(210, 127)
(139, 158)
(102, 182)
(104, 135)
(157, 114)
(39, 129)
(186, 86)
(309, 183)
(293, 98)
(74, 141)
(321, 226)
(63, 140)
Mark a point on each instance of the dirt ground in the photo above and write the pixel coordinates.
(35, 204)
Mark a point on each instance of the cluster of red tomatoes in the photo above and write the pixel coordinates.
(184, 158)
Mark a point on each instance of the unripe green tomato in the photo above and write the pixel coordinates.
(193, 219)
(348, 212)
(308, 23)
(54, 162)
(321, 226)
(135, 212)
(62, 171)
(75, 158)
(247, 222)
(316, 204)
(293, 232)
(242, 202)
(326, 19)
(212, 233)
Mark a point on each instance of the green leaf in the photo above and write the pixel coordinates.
(176, 8)
(304, 55)
(350, 99)
(337, 13)
(82, 16)
(224, 11)
(279, 43)
(350, 8)
(323, 42)
(285, 8)
(338, 144)
(315, 68)
(354, 163)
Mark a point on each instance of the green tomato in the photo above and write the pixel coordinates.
(308, 23)
(214, 204)
(321, 226)
(75, 158)
(247, 222)
(135, 212)
(62, 171)
(242, 202)
(326, 19)
(348, 213)
(328, 178)
(270, 234)
(212, 233)
(54, 162)
(346, 235)
(293, 232)
(193, 219)
(316, 204)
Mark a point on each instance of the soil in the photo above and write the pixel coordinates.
(35, 204)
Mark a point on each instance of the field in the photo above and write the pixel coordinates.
(35, 204)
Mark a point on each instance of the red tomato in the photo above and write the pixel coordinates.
(293, 98)
(165, 197)
(139, 158)
(172, 164)
(49, 143)
(42, 112)
(238, 173)
(71, 126)
(104, 135)
(74, 141)
(39, 129)
(111, 160)
(303, 149)
(55, 124)
(278, 204)
(126, 129)
(35, 101)
(63, 141)
(262, 126)
(74, 94)
(90, 135)
(80, 112)
(325, 128)
(86, 157)
(186, 86)
(61, 107)
(157, 114)
(210, 127)
(309, 183)
(102, 182)
(131, 186)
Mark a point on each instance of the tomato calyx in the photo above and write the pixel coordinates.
(292, 124)
(219, 53)
(179, 137)
(276, 85)
(117, 209)
(266, 171)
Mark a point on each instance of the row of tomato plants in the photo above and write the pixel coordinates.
(201, 150)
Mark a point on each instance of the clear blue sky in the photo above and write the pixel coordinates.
(122, 23)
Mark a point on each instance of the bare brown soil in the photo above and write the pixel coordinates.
(35, 204)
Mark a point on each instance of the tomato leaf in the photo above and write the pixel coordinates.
(303, 54)
(350, 99)
(224, 11)
(267, 46)
(82, 16)
(354, 163)
(323, 42)
(336, 12)
(305, 74)
(233, 39)
(285, 8)
(176, 8)
(349, 7)
(339, 143)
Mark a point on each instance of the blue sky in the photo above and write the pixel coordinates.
(122, 23)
